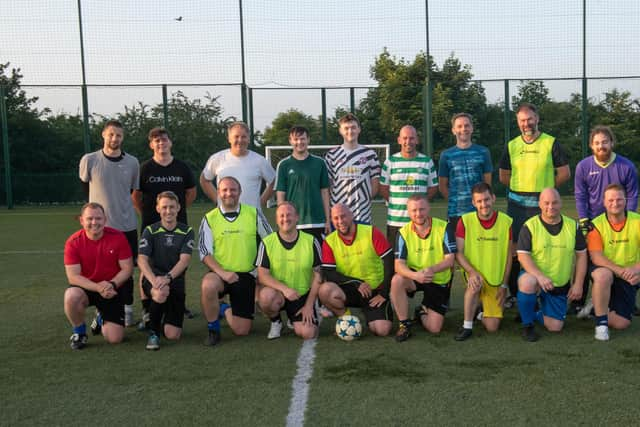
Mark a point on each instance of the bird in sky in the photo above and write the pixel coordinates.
(179, 18)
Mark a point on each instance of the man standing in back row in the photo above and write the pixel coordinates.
(530, 163)
(354, 172)
(403, 174)
(109, 176)
(248, 167)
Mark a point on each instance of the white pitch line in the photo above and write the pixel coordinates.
(300, 386)
(38, 252)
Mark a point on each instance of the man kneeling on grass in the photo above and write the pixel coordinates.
(546, 247)
(357, 263)
(288, 262)
(613, 246)
(97, 261)
(164, 255)
(484, 252)
(425, 253)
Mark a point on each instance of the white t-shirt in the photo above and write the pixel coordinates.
(250, 170)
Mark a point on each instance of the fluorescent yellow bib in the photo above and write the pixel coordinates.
(531, 164)
(293, 267)
(623, 247)
(487, 250)
(235, 246)
(359, 259)
(553, 254)
(423, 253)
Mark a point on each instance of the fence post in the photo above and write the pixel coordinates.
(165, 107)
(5, 145)
(352, 100)
(323, 96)
(507, 113)
(251, 126)
(427, 127)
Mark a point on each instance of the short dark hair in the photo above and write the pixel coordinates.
(458, 115)
(349, 117)
(167, 195)
(481, 187)
(113, 122)
(606, 130)
(240, 124)
(91, 205)
(527, 106)
(298, 130)
(417, 197)
(615, 187)
(158, 131)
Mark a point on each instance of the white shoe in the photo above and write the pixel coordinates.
(602, 333)
(275, 330)
(289, 324)
(480, 315)
(585, 312)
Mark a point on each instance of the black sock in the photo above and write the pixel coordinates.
(276, 318)
(155, 314)
(145, 304)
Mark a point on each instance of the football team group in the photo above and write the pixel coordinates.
(326, 256)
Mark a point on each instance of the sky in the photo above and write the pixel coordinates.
(194, 46)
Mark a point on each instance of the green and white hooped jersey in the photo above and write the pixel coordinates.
(406, 177)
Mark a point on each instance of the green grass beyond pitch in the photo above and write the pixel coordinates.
(564, 379)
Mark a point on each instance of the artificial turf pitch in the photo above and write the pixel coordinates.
(563, 379)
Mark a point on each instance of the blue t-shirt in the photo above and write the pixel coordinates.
(463, 168)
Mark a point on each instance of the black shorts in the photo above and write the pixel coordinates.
(241, 295)
(111, 310)
(293, 307)
(173, 307)
(435, 297)
(623, 298)
(520, 215)
(317, 232)
(355, 299)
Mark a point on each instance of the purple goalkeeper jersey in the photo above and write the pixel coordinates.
(592, 179)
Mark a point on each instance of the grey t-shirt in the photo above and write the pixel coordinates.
(110, 183)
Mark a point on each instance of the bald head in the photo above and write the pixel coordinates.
(550, 205)
(342, 219)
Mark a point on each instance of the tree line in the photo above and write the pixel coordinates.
(46, 144)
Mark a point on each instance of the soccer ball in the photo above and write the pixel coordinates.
(348, 327)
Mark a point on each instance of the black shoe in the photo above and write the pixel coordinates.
(463, 334)
(418, 312)
(96, 324)
(188, 313)
(636, 311)
(403, 333)
(213, 338)
(78, 341)
(530, 334)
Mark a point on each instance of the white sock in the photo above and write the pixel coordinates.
(128, 308)
(467, 324)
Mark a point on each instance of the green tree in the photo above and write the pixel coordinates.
(532, 91)
(278, 132)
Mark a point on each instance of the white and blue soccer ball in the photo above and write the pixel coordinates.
(348, 327)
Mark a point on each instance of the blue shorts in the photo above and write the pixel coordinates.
(623, 298)
(554, 303)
